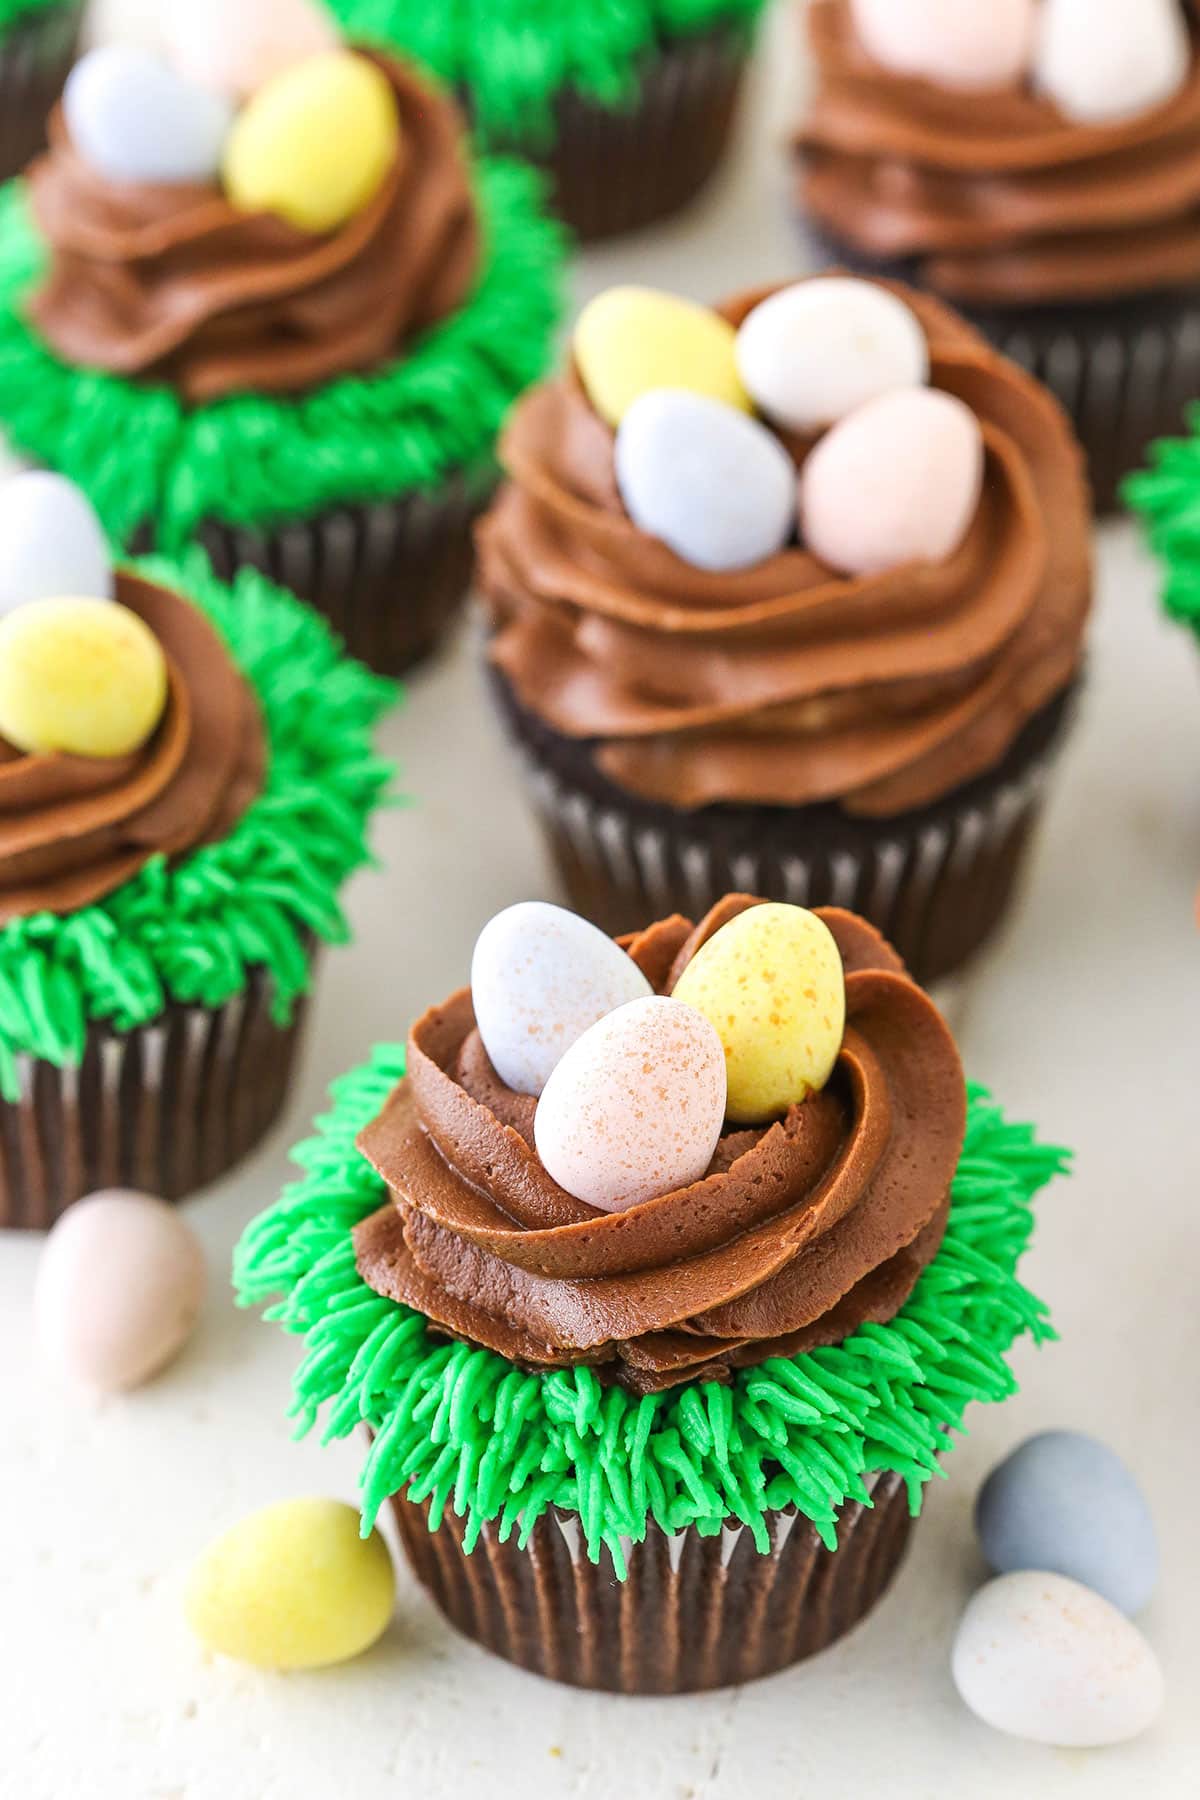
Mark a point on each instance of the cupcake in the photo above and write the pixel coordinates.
(280, 311)
(186, 776)
(38, 42)
(661, 1282)
(1036, 167)
(626, 104)
(789, 596)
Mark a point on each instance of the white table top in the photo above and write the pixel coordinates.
(1084, 1019)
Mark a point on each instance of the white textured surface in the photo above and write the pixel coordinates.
(1084, 1018)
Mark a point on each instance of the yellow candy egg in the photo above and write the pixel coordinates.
(771, 982)
(630, 340)
(293, 1587)
(314, 143)
(83, 676)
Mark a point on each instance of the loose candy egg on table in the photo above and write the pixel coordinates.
(635, 1107)
(540, 976)
(134, 118)
(315, 143)
(119, 1289)
(1043, 1658)
(236, 48)
(771, 982)
(87, 677)
(955, 43)
(811, 353)
(293, 1586)
(51, 541)
(1066, 1502)
(1104, 60)
(711, 482)
(630, 339)
(897, 481)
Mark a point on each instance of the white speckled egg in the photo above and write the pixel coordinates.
(1101, 60)
(635, 1107)
(955, 43)
(119, 1288)
(51, 541)
(236, 48)
(897, 481)
(1041, 1657)
(540, 976)
(811, 353)
(708, 480)
(133, 118)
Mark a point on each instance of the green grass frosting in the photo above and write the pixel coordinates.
(15, 12)
(255, 459)
(461, 1427)
(1168, 497)
(193, 929)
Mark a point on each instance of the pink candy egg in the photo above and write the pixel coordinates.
(235, 46)
(955, 43)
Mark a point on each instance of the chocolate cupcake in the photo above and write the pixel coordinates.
(226, 333)
(853, 700)
(1038, 172)
(655, 1373)
(627, 105)
(185, 780)
(38, 43)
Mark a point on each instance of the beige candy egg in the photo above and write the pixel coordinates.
(87, 677)
(236, 46)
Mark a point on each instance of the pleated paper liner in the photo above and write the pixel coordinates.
(35, 59)
(694, 1612)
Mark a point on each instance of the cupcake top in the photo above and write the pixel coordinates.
(819, 544)
(1012, 153)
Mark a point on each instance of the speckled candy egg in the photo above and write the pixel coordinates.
(771, 982)
(119, 1288)
(813, 352)
(897, 481)
(87, 677)
(1066, 1502)
(51, 541)
(629, 340)
(1043, 1658)
(713, 484)
(635, 1107)
(1101, 60)
(955, 43)
(540, 976)
(134, 118)
(236, 48)
(294, 1586)
(314, 144)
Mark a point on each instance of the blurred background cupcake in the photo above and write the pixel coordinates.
(627, 104)
(1038, 166)
(38, 42)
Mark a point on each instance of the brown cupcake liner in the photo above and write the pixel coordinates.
(165, 1108)
(35, 59)
(693, 1613)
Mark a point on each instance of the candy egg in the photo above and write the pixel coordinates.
(540, 976)
(294, 1586)
(629, 340)
(710, 482)
(772, 983)
(1101, 60)
(51, 541)
(956, 43)
(1043, 1658)
(1066, 1502)
(635, 1107)
(897, 481)
(236, 48)
(813, 352)
(314, 143)
(84, 676)
(119, 1288)
(133, 118)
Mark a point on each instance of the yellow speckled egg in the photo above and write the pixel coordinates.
(772, 984)
(83, 676)
(629, 340)
(314, 143)
(293, 1586)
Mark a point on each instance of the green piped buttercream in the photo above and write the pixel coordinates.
(254, 459)
(193, 930)
(13, 12)
(1167, 495)
(462, 1427)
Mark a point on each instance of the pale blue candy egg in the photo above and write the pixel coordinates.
(133, 118)
(711, 482)
(51, 542)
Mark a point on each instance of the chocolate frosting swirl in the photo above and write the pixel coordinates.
(73, 828)
(171, 283)
(784, 684)
(999, 198)
(800, 1231)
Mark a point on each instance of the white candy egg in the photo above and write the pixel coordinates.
(134, 118)
(1101, 60)
(51, 542)
(955, 43)
(237, 47)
